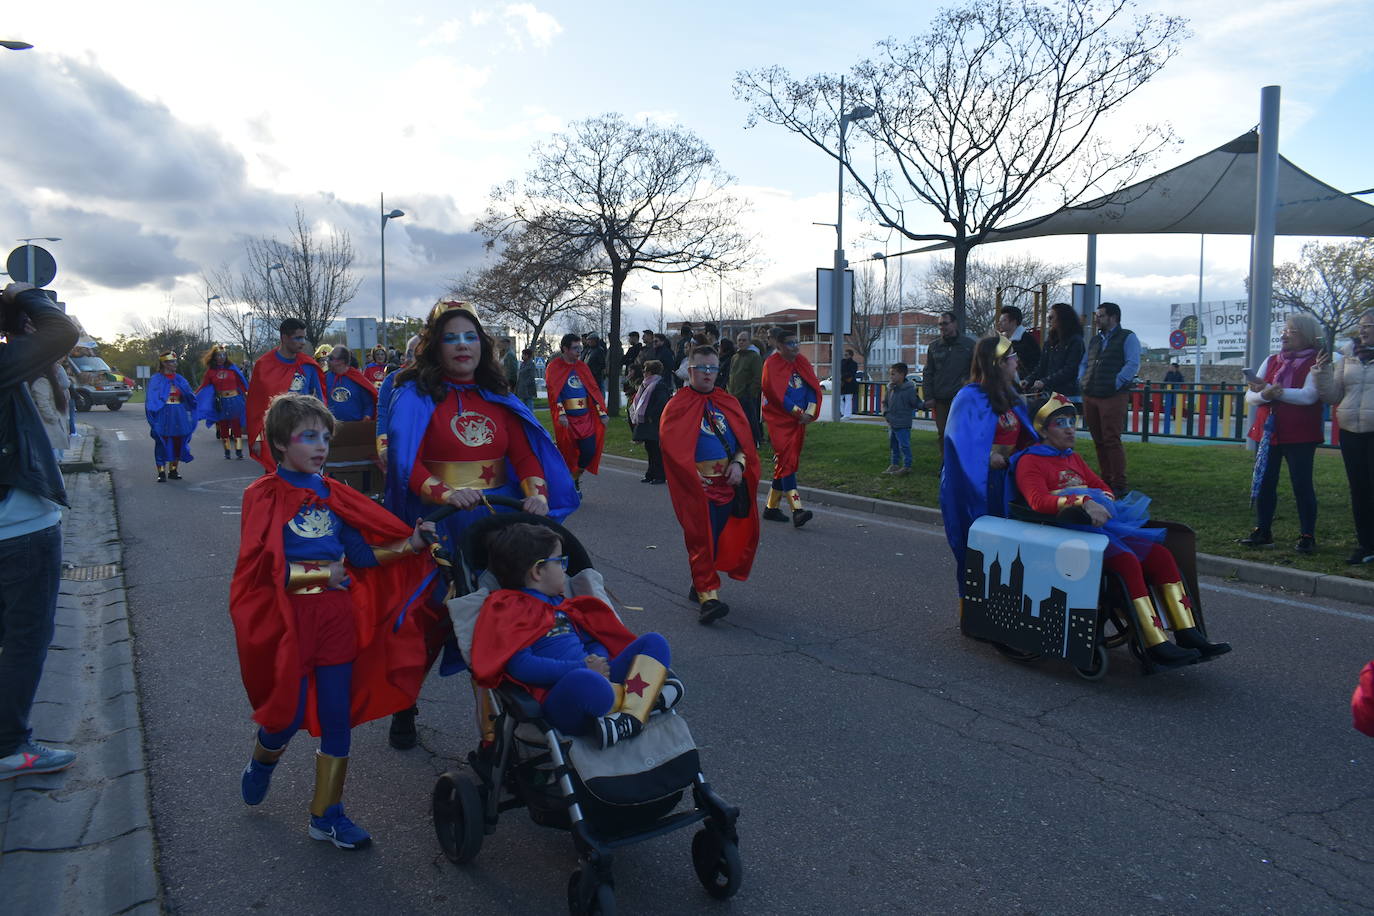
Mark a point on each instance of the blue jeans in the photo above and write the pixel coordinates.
(30, 570)
(1299, 457)
(899, 440)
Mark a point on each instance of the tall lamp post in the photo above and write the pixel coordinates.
(394, 214)
(660, 306)
(29, 242)
(15, 45)
(208, 300)
(858, 113)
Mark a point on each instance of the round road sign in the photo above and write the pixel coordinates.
(1178, 340)
(44, 265)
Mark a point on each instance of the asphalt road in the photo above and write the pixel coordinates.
(883, 763)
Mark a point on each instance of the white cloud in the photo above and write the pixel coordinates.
(447, 33)
(524, 20)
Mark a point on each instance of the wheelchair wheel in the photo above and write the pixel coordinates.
(458, 815)
(717, 863)
(602, 902)
(1015, 655)
(1122, 634)
(1098, 668)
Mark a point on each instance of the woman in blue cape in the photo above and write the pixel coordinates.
(221, 400)
(987, 423)
(170, 409)
(451, 433)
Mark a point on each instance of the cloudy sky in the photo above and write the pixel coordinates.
(154, 137)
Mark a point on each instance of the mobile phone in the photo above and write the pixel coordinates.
(1250, 376)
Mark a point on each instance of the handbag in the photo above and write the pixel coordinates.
(743, 500)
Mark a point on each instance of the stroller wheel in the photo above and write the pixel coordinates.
(717, 863)
(458, 815)
(600, 903)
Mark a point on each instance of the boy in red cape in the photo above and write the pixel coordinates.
(577, 408)
(791, 401)
(589, 673)
(318, 601)
(285, 368)
(708, 449)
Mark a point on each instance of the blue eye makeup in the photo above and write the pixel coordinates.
(312, 437)
(462, 337)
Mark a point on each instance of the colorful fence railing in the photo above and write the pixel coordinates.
(1183, 411)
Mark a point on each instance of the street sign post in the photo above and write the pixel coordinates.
(361, 333)
(1178, 339)
(823, 300)
(31, 264)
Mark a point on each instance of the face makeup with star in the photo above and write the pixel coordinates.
(460, 347)
(308, 448)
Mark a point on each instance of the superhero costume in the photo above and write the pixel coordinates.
(790, 392)
(170, 407)
(969, 488)
(541, 643)
(221, 402)
(374, 373)
(354, 642)
(273, 374)
(715, 539)
(574, 394)
(350, 396)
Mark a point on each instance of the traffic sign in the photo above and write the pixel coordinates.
(1178, 339)
(44, 265)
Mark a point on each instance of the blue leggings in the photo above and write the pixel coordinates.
(785, 483)
(332, 689)
(582, 695)
(586, 451)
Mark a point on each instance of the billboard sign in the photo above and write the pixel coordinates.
(1225, 323)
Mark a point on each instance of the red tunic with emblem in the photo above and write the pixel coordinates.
(226, 383)
(374, 373)
(468, 429)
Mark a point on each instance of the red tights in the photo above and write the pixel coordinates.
(1158, 567)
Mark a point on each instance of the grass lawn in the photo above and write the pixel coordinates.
(1206, 487)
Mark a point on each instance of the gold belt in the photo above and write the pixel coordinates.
(575, 404)
(479, 475)
(226, 394)
(716, 467)
(310, 578)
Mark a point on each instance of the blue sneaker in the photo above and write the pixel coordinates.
(257, 779)
(335, 827)
(34, 758)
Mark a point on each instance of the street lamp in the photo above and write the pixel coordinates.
(660, 306)
(15, 45)
(29, 241)
(394, 214)
(208, 300)
(858, 113)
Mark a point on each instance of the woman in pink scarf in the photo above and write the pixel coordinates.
(1288, 427)
(645, 410)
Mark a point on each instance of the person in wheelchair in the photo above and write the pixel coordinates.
(1054, 480)
(590, 674)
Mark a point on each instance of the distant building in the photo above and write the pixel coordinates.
(904, 338)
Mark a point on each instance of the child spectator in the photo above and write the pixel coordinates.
(899, 405)
(589, 673)
(313, 606)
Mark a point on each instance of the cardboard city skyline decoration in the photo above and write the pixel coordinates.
(1033, 588)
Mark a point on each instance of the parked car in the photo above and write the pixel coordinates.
(96, 384)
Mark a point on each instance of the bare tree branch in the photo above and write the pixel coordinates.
(1333, 283)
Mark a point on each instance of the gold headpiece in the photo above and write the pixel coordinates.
(1056, 403)
(166, 355)
(452, 305)
(1003, 345)
(323, 351)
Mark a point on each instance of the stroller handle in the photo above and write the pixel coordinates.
(443, 512)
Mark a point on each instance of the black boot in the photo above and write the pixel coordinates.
(226, 454)
(1257, 538)
(712, 609)
(161, 476)
(774, 514)
(801, 517)
(402, 735)
(1168, 655)
(239, 453)
(1192, 638)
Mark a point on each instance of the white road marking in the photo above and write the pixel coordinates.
(121, 435)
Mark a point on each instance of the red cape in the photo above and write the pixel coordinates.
(271, 377)
(390, 664)
(362, 380)
(511, 620)
(678, 429)
(784, 432)
(556, 374)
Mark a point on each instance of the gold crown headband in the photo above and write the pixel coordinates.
(165, 356)
(1003, 345)
(1054, 405)
(453, 305)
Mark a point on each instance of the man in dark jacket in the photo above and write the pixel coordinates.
(746, 382)
(1108, 370)
(595, 357)
(849, 382)
(1010, 326)
(31, 491)
(948, 359)
(525, 375)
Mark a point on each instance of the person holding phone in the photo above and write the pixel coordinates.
(1351, 386)
(1288, 428)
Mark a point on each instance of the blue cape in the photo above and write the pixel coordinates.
(169, 421)
(208, 407)
(964, 494)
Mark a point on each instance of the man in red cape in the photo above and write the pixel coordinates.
(285, 368)
(792, 398)
(698, 460)
(391, 659)
(577, 408)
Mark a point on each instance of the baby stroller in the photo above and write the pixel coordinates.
(607, 798)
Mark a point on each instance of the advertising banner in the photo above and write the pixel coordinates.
(1224, 324)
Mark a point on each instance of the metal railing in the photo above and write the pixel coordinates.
(1215, 413)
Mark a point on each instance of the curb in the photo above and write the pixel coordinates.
(81, 841)
(80, 457)
(1318, 585)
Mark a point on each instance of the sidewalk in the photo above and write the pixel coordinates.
(81, 841)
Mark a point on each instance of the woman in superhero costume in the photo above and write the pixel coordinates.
(220, 400)
(791, 402)
(170, 409)
(453, 433)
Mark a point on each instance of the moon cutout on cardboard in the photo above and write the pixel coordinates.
(1072, 559)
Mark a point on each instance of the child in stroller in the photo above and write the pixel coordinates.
(590, 674)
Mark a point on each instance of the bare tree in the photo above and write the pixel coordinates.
(1333, 283)
(720, 305)
(313, 283)
(875, 303)
(623, 198)
(1014, 275)
(169, 332)
(999, 100)
(536, 280)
